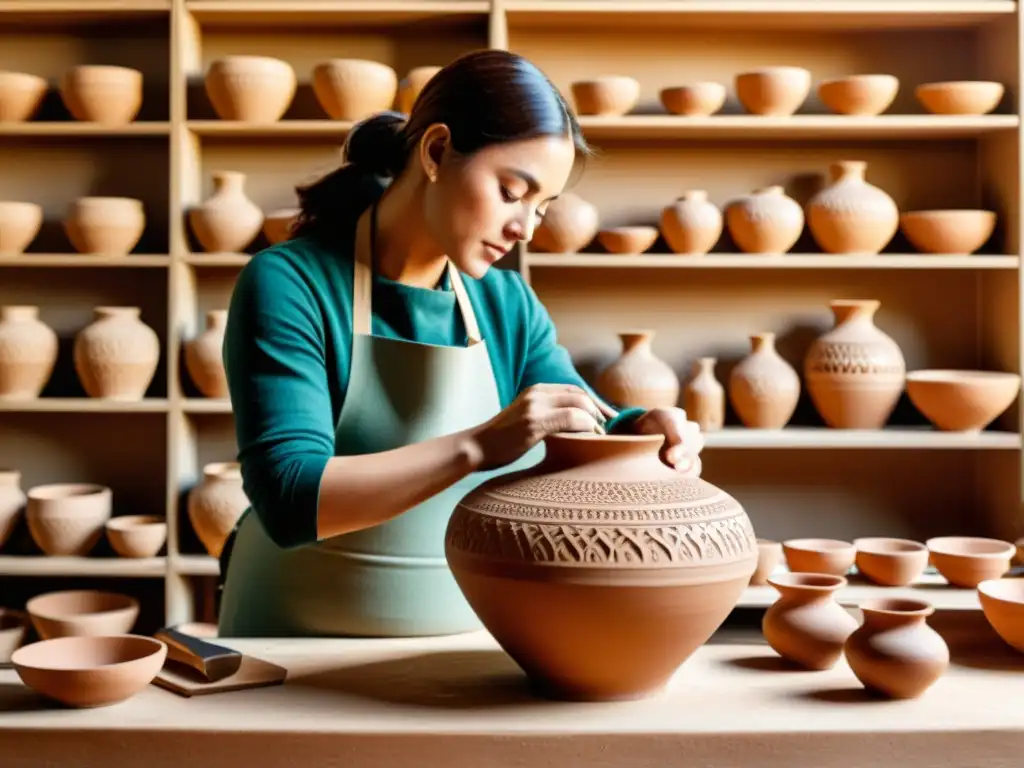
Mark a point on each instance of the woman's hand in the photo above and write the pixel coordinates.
(683, 438)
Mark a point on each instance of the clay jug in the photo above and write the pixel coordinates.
(691, 224)
(894, 652)
(855, 373)
(203, 356)
(570, 223)
(765, 221)
(28, 352)
(600, 570)
(216, 504)
(851, 215)
(12, 502)
(764, 388)
(638, 378)
(806, 625)
(704, 396)
(228, 221)
(117, 354)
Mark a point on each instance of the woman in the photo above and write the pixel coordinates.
(379, 368)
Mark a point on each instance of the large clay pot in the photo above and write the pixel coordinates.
(227, 221)
(20, 222)
(691, 224)
(806, 626)
(410, 86)
(765, 221)
(101, 93)
(600, 570)
(28, 352)
(117, 354)
(894, 652)
(253, 89)
(638, 378)
(354, 89)
(204, 358)
(216, 504)
(704, 396)
(855, 373)
(570, 223)
(106, 226)
(12, 502)
(850, 215)
(764, 388)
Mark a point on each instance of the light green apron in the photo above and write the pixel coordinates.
(390, 580)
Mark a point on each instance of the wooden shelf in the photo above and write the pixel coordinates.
(84, 405)
(357, 13)
(891, 438)
(32, 260)
(42, 565)
(84, 130)
(767, 261)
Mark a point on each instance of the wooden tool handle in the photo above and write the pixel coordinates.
(213, 662)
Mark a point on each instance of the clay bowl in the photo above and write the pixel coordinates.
(1002, 602)
(103, 94)
(859, 94)
(14, 626)
(82, 612)
(773, 91)
(137, 535)
(253, 89)
(111, 226)
(696, 100)
(277, 225)
(607, 96)
(21, 95)
(90, 671)
(20, 222)
(891, 562)
(829, 556)
(948, 231)
(354, 89)
(966, 561)
(67, 518)
(960, 97)
(962, 401)
(627, 239)
(769, 555)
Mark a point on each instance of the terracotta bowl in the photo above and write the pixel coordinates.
(276, 225)
(20, 222)
(627, 239)
(67, 518)
(966, 561)
(82, 612)
(14, 626)
(254, 89)
(111, 226)
(773, 91)
(952, 231)
(769, 555)
(90, 671)
(829, 556)
(859, 94)
(137, 535)
(101, 93)
(697, 100)
(960, 97)
(21, 95)
(354, 89)
(962, 401)
(1002, 602)
(891, 562)
(608, 96)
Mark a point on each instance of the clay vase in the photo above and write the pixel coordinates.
(117, 354)
(855, 373)
(600, 570)
(850, 215)
(354, 89)
(28, 352)
(570, 223)
(227, 221)
(764, 388)
(638, 378)
(765, 221)
(691, 224)
(806, 626)
(894, 652)
(704, 396)
(216, 504)
(12, 503)
(410, 86)
(204, 358)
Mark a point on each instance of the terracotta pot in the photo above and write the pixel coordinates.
(948, 232)
(966, 561)
(891, 562)
(765, 221)
(697, 100)
(600, 570)
(806, 625)
(67, 518)
(277, 225)
(773, 91)
(82, 613)
(253, 89)
(627, 240)
(960, 97)
(1002, 602)
(704, 396)
(14, 626)
(19, 224)
(859, 94)
(21, 95)
(894, 652)
(769, 555)
(354, 89)
(102, 94)
(137, 535)
(216, 504)
(204, 356)
(828, 556)
(409, 87)
(855, 373)
(28, 353)
(116, 356)
(12, 503)
(850, 215)
(764, 388)
(608, 96)
(569, 224)
(227, 221)
(107, 226)
(962, 401)
(692, 224)
(639, 378)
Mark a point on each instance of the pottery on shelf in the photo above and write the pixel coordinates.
(962, 401)
(765, 221)
(865, 95)
(851, 215)
(204, 359)
(806, 626)
(890, 562)
(570, 223)
(773, 91)
(769, 555)
(28, 352)
(354, 89)
(251, 89)
(277, 225)
(1002, 603)
(136, 535)
(948, 231)
(627, 240)
(14, 625)
(960, 97)
(600, 570)
(763, 387)
(82, 613)
(116, 355)
(696, 100)
(67, 518)
(227, 221)
(216, 503)
(966, 561)
(410, 86)
(21, 95)
(894, 652)
(20, 223)
(691, 224)
(704, 396)
(105, 226)
(855, 373)
(829, 556)
(605, 96)
(638, 378)
(103, 94)
(12, 503)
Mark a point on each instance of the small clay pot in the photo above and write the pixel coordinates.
(570, 223)
(354, 89)
(966, 561)
(14, 625)
(829, 556)
(252, 89)
(859, 94)
(102, 94)
(82, 612)
(137, 535)
(67, 518)
(704, 396)
(806, 625)
(766, 221)
(773, 91)
(960, 97)
(20, 223)
(769, 555)
(697, 100)
(691, 224)
(21, 95)
(105, 226)
(962, 401)
(627, 239)
(891, 562)
(1002, 602)
(948, 231)
(204, 359)
(607, 96)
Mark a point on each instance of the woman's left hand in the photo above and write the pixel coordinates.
(683, 438)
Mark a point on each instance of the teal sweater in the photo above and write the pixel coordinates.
(287, 350)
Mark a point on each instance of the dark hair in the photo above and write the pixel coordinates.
(484, 97)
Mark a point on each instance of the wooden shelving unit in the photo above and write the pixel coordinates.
(945, 311)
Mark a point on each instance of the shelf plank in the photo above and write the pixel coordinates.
(365, 13)
(769, 261)
(217, 259)
(71, 129)
(282, 129)
(889, 438)
(206, 405)
(33, 260)
(195, 565)
(83, 405)
(44, 565)
(930, 587)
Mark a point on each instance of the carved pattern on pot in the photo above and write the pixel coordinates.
(116, 356)
(851, 215)
(764, 388)
(28, 353)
